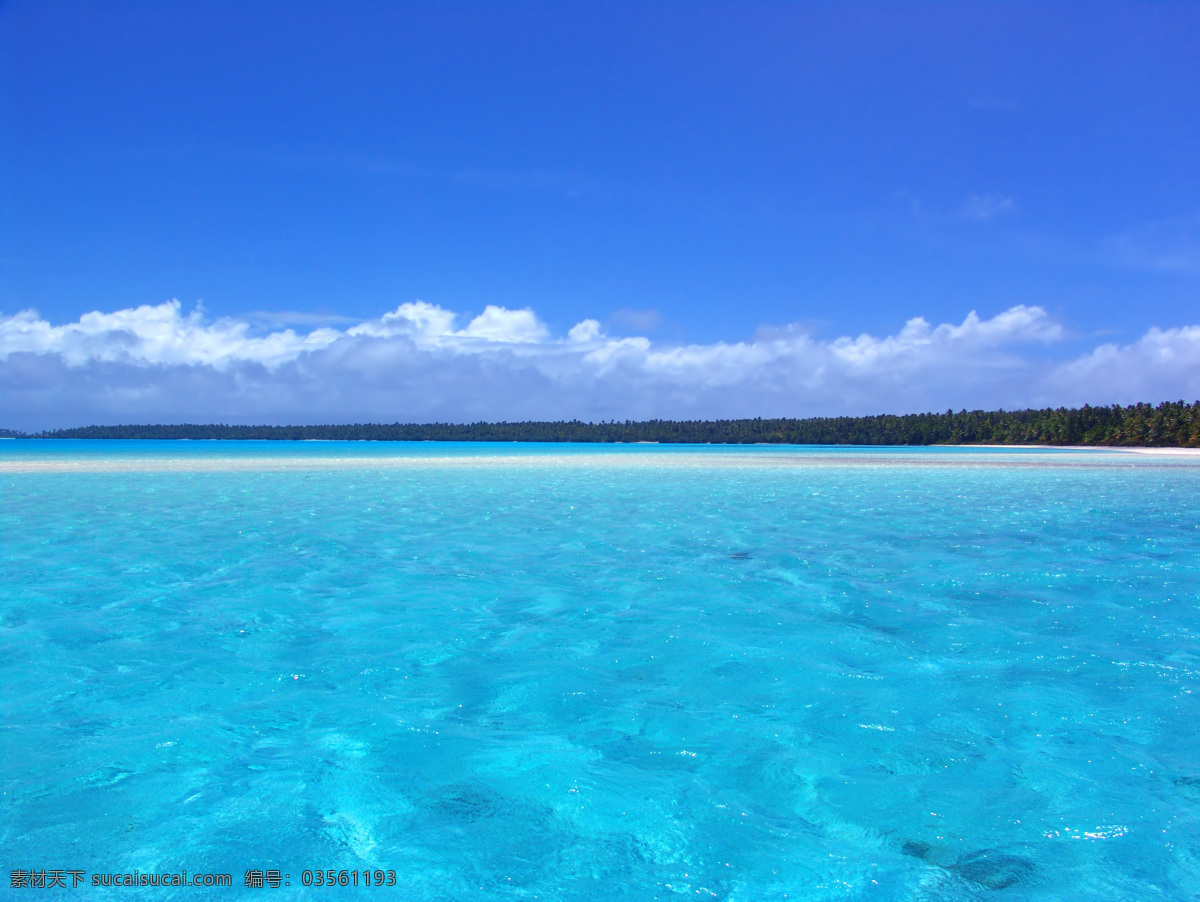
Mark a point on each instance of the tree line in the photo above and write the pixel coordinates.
(1171, 424)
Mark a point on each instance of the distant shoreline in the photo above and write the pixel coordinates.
(1154, 450)
(1132, 449)
(1172, 424)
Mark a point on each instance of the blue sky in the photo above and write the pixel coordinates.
(696, 175)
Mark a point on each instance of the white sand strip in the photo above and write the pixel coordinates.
(1090, 457)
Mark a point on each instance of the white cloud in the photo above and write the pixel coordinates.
(1163, 365)
(498, 324)
(431, 326)
(416, 363)
(155, 335)
(425, 323)
(586, 331)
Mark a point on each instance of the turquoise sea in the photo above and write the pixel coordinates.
(509, 672)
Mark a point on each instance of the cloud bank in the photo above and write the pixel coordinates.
(423, 363)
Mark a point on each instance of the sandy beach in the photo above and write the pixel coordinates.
(1023, 456)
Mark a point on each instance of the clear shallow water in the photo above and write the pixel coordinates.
(581, 672)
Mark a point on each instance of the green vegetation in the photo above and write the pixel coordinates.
(1172, 424)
